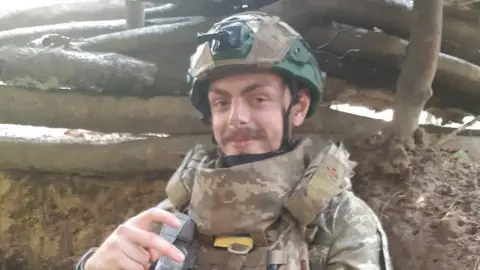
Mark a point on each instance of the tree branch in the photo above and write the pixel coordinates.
(415, 80)
(452, 134)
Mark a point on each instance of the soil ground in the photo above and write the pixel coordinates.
(430, 206)
(48, 221)
(431, 211)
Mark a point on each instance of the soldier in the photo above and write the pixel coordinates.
(261, 199)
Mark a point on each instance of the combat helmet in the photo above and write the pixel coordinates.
(253, 40)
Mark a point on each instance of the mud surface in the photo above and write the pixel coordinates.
(428, 201)
(49, 221)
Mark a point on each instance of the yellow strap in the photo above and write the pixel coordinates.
(234, 244)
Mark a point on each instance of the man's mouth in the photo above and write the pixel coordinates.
(240, 143)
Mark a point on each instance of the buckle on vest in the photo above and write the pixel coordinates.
(235, 244)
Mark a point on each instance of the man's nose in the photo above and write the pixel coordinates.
(239, 114)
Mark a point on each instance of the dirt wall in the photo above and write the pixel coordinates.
(430, 208)
(48, 220)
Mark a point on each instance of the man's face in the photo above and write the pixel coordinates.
(247, 112)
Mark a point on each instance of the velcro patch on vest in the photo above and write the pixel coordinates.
(330, 169)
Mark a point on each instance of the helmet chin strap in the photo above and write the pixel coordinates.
(286, 145)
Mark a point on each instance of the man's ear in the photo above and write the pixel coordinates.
(300, 109)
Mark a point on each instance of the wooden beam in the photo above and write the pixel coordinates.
(161, 114)
(389, 51)
(56, 68)
(89, 153)
(137, 156)
(80, 11)
(166, 114)
(74, 30)
(173, 115)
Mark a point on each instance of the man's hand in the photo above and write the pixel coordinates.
(133, 247)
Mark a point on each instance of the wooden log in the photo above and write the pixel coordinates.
(162, 114)
(461, 33)
(167, 36)
(74, 30)
(460, 37)
(21, 36)
(45, 68)
(375, 90)
(173, 44)
(98, 112)
(170, 115)
(88, 153)
(79, 10)
(388, 50)
(468, 15)
(169, 46)
(135, 14)
(137, 156)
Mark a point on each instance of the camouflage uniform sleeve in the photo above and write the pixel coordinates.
(349, 237)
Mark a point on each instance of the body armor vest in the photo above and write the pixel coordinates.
(257, 215)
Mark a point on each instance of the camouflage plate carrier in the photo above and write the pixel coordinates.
(258, 215)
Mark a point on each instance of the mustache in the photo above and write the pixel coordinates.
(242, 134)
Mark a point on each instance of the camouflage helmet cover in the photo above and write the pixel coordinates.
(252, 40)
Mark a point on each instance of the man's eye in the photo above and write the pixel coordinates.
(260, 99)
(220, 103)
